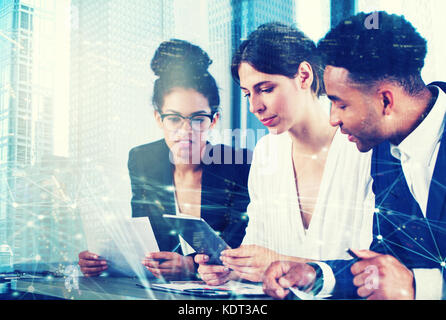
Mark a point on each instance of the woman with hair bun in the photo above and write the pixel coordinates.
(310, 189)
(183, 172)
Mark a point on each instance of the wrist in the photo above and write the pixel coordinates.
(318, 281)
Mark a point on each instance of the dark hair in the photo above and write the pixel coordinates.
(180, 64)
(276, 48)
(394, 52)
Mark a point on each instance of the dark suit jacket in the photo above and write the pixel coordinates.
(224, 193)
(399, 227)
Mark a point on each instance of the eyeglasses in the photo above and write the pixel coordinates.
(198, 122)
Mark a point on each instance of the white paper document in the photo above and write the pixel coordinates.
(123, 242)
(201, 288)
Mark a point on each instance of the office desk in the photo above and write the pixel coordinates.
(104, 288)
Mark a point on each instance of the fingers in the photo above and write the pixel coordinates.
(242, 262)
(377, 261)
(162, 255)
(270, 279)
(250, 274)
(359, 280)
(215, 279)
(86, 255)
(365, 254)
(221, 279)
(364, 291)
(212, 269)
(93, 271)
(241, 252)
(300, 275)
(213, 274)
(90, 264)
(201, 258)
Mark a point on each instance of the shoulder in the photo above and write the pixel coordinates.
(148, 154)
(149, 148)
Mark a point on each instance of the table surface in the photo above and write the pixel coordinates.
(105, 288)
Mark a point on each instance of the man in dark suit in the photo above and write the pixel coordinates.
(379, 99)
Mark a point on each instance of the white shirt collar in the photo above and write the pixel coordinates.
(420, 143)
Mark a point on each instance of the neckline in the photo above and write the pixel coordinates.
(306, 231)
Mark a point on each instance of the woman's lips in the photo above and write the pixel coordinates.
(268, 121)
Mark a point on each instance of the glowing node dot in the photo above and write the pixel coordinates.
(379, 237)
(314, 157)
(30, 289)
(376, 210)
(443, 264)
(15, 204)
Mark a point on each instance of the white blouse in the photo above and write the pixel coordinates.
(343, 213)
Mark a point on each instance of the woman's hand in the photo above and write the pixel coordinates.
(91, 265)
(169, 265)
(213, 275)
(249, 262)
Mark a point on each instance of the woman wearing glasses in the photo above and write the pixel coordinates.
(184, 173)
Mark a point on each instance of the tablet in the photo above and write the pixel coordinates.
(199, 235)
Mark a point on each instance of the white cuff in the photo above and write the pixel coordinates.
(329, 279)
(428, 284)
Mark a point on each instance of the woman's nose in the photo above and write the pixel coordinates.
(256, 104)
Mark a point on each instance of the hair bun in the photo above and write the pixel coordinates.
(175, 54)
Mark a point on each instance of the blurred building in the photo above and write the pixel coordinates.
(230, 22)
(6, 263)
(112, 43)
(27, 55)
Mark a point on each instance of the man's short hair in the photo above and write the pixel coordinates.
(394, 51)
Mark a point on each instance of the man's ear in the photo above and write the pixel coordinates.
(304, 75)
(387, 101)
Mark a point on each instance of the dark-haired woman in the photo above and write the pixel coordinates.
(184, 173)
(310, 188)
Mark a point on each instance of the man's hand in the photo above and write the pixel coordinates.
(282, 275)
(381, 277)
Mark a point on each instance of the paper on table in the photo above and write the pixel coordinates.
(232, 287)
(124, 242)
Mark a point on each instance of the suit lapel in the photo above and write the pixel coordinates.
(164, 176)
(437, 189)
(387, 169)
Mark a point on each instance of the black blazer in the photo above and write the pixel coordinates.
(224, 193)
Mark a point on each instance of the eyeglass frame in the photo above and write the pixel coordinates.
(211, 116)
